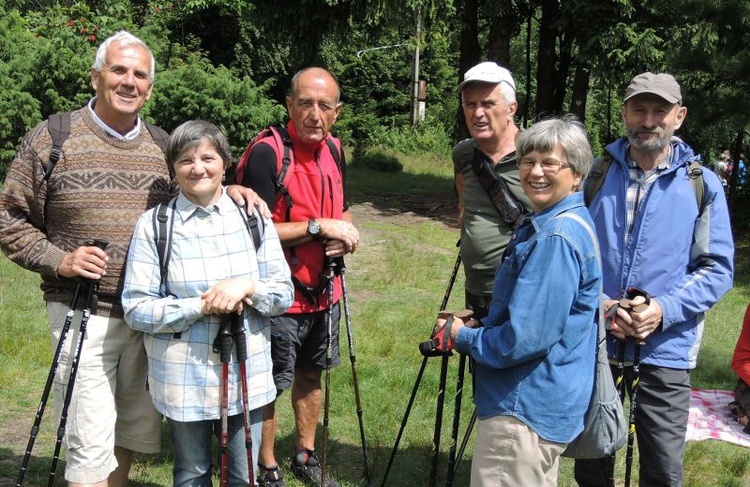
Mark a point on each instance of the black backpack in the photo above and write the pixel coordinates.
(58, 125)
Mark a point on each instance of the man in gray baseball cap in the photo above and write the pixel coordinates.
(661, 84)
(646, 196)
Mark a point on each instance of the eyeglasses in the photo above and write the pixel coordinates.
(549, 166)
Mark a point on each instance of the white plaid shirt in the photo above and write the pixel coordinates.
(208, 245)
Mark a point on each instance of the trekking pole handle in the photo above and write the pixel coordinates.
(238, 334)
(223, 341)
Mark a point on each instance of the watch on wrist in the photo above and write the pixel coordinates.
(313, 229)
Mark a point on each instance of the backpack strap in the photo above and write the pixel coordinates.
(163, 237)
(254, 226)
(336, 152)
(160, 136)
(281, 134)
(595, 179)
(58, 125)
(695, 174)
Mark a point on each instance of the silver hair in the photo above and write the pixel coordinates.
(124, 38)
(567, 132)
(190, 134)
(508, 93)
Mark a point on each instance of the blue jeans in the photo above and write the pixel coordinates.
(193, 455)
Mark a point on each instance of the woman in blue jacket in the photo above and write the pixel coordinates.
(535, 349)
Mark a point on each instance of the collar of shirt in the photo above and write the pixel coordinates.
(572, 200)
(187, 209)
(129, 136)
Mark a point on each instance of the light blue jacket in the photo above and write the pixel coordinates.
(536, 352)
(683, 259)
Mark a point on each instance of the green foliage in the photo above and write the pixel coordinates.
(197, 90)
(428, 137)
(378, 160)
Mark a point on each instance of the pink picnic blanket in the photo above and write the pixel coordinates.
(710, 419)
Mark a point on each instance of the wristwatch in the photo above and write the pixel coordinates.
(313, 229)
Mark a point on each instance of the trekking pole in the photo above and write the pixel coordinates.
(456, 420)
(464, 442)
(631, 422)
(435, 453)
(238, 333)
(631, 294)
(329, 360)
(409, 405)
(619, 385)
(353, 360)
(91, 287)
(48, 385)
(223, 345)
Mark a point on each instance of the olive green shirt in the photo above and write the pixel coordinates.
(484, 233)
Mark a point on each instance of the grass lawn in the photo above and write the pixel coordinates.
(396, 282)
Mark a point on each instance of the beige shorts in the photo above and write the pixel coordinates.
(109, 404)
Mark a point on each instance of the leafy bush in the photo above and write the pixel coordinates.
(377, 160)
(197, 90)
(427, 138)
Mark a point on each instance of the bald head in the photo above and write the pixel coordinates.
(315, 72)
(313, 104)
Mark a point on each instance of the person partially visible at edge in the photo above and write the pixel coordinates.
(534, 374)
(318, 230)
(740, 407)
(488, 99)
(654, 236)
(215, 270)
(110, 172)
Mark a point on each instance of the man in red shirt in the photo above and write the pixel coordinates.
(314, 226)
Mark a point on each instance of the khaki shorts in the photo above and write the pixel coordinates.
(110, 404)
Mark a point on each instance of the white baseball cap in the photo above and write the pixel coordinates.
(487, 72)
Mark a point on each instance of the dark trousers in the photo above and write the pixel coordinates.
(480, 305)
(661, 417)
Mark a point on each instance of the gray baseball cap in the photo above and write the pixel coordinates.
(487, 72)
(661, 84)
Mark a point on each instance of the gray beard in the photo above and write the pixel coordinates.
(655, 145)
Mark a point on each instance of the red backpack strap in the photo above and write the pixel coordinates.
(282, 146)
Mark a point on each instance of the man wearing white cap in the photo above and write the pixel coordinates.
(488, 98)
(655, 235)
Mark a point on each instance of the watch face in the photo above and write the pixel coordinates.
(313, 228)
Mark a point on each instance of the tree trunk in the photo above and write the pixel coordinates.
(469, 55)
(580, 93)
(561, 73)
(546, 74)
(502, 30)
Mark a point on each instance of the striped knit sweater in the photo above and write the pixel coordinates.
(98, 189)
